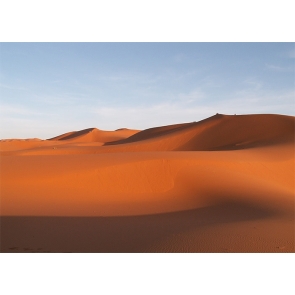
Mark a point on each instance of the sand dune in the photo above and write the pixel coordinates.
(224, 184)
(219, 132)
(95, 135)
(86, 137)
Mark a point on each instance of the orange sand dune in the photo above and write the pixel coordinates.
(88, 137)
(95, 135)
(224, 184)
(219, 132)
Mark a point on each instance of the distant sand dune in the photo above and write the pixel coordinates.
(224, 184)
(86, 137)
(94, 134)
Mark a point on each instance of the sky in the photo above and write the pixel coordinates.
(47, 89)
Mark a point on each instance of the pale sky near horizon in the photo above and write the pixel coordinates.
(51, 88)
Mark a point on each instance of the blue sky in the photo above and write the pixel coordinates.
(52, 88)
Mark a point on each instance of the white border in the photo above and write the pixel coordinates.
(151, 21)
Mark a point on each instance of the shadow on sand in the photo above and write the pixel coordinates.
(116, 234)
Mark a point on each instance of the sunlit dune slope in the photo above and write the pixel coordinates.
(179, 167)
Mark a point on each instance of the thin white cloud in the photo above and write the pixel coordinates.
(141, 78)
(262, 102)
(279, 68)
(253, 84)
(66, 98)
(192, 96)
(9, 110)
(125, 77)
(6, 86)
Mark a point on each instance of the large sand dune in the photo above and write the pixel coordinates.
(224, 184)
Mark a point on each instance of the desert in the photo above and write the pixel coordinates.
(222, 184)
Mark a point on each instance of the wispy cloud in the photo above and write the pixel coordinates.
(279, 68)
(252, 84)
(262, 102)
(192, 96)
(127, 76)
(12, 87)
(141, 78)
(66, 98)
(9, 110)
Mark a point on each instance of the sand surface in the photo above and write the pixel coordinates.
(224, 184)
